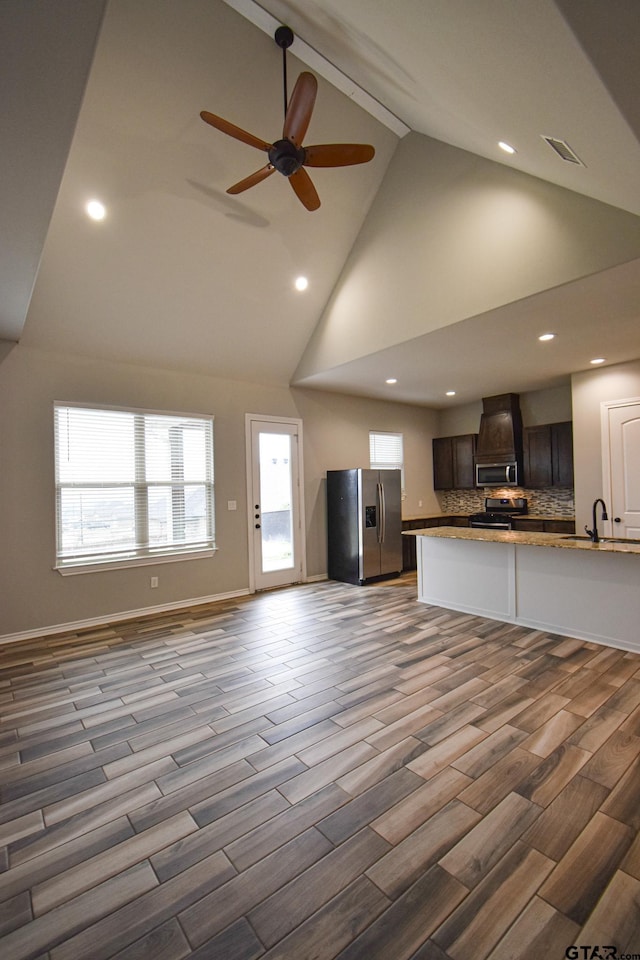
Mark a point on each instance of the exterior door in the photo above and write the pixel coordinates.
(622, 451)
(276, 540)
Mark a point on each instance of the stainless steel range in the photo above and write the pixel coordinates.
(499, 512)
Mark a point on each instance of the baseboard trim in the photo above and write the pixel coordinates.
(77, 625)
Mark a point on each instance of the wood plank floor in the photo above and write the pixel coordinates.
(325, 771)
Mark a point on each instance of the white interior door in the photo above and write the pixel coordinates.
(276, 538)
(622, 439)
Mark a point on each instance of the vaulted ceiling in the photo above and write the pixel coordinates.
(103, 100)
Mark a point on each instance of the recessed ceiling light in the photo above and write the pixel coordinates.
(598, 360)
(96, 210)
(301, 283)
(506, 147)
(546, 336)
(391, 380)
(451, 393)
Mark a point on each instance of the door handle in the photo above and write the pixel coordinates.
(381, 511)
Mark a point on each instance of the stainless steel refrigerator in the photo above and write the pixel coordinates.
(364, 525)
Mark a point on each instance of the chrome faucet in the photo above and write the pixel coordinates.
(593, 534)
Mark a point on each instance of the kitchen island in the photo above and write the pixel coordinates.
(545, 581)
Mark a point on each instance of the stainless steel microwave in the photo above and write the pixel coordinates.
(497, 474)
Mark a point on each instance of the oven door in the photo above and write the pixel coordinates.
(490, 521)
(488, 525)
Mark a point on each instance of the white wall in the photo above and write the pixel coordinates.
(589, 390)
(34, 596)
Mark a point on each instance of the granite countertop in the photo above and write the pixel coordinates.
(526, 537)
(459, 513)
(434, 516)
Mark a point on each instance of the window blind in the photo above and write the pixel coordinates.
(385, 451)
(131, 484)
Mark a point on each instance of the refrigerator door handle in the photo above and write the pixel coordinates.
(383, 513)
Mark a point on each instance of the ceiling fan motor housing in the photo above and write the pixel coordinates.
(286, 157)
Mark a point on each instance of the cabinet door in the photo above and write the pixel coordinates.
(442, 464)
(562, 454)
(530, 526)
(559, 526)
(537, 456)
(409, 561)
(463, 450)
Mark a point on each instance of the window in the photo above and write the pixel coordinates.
(131, 485)
(386, 453)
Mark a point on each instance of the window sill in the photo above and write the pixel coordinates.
(73, 569)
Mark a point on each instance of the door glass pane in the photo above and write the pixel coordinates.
(276, 506)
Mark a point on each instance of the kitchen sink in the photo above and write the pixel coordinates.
(585, 539)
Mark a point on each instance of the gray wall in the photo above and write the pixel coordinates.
(451, 236)
(537, 406)
(34, 596)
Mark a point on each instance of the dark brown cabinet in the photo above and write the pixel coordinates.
(453, 462)
(409, 543)
(559, 526)
(548, 455)
(442, 464)
(528, 526)
(562, 454)
(540, 525)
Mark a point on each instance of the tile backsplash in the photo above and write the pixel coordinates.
(550, 502)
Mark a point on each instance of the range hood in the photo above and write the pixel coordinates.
(500, 440)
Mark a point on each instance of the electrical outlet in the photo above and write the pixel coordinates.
(419, 503)
(154, 582)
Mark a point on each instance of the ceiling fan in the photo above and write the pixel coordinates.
(287, 155)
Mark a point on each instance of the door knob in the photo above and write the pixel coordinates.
(617, 520)
(257, 526)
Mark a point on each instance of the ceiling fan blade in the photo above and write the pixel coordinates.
(304, 188)
(234, 131)
(300, 108)
(251, 181)
(337, 154)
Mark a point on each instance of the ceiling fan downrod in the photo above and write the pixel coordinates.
(284, 38)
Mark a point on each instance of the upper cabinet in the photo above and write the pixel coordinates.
(547, 458)
(548, 455)
(453, 462)
(562, 454)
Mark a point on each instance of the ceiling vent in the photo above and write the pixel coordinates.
(563, 150)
